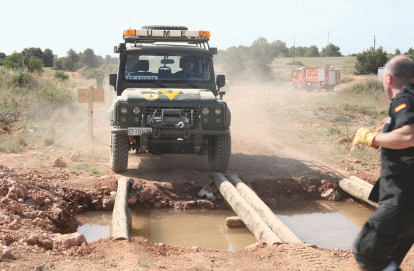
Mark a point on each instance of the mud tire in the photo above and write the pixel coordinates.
(119, 152)
(219, 153)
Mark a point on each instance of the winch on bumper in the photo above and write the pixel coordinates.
(173, 131)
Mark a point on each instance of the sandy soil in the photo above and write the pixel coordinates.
(38, 203)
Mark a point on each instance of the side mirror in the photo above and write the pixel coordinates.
(112, 79)
(221, 80)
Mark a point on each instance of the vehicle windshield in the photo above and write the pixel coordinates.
(168, 66)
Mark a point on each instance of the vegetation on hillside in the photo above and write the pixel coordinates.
(32, 105)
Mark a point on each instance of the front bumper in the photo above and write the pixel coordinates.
(178, 133)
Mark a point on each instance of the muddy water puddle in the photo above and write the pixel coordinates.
(321, 223)
(324, 223)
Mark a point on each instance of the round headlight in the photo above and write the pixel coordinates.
(124, 110)
(218, 111)
(205, 111)
(136, 119)
(136, 110)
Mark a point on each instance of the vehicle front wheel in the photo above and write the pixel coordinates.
(219, 153)
(296, 86)
(119, 152)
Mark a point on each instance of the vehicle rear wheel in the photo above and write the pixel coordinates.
(119, 152)
(315, 86)
(219, 153)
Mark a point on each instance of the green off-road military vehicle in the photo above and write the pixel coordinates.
(168, 98)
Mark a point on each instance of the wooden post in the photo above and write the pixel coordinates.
(277, 226)
(120, 215)
(90, 108)
(250, 217)
(90, 96)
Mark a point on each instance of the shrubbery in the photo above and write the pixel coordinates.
(369, 61)
(60, 75)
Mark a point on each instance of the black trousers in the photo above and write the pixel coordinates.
(387, 236)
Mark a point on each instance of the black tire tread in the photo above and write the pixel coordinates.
(219, 155)
(119, 153)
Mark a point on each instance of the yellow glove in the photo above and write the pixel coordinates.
(365, 137)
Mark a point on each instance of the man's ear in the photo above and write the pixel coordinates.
(389, 79)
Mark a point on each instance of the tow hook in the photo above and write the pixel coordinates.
(180, 125)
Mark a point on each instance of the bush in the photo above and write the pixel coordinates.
(14, 61)
(35, 64)
(369, 61)
(60, 75)
(24, 79)
(369, 87)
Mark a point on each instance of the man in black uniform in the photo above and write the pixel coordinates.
(388, 234)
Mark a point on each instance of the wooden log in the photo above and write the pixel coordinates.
(277, 226)
(250, 217)
(358, 189)
(120, 214)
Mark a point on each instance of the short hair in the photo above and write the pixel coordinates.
(401, 68)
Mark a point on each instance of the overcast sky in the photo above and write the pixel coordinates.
(351, 25)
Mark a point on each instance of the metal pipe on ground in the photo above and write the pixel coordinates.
(121, 214)
(245, 211)
(277, 226)
(357, 188)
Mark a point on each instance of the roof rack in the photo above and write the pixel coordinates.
(165, 35)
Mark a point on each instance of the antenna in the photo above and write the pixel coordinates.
(329, 31)
(130, 23)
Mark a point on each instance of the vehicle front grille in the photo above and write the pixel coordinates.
(149, 112)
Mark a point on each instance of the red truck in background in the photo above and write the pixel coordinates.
(315, 79)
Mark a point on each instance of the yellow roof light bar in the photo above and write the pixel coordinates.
(130, 32)
(205, 34)
(166, 35)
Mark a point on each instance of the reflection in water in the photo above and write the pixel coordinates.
(203, 228)
(322, 223)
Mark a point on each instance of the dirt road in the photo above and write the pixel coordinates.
(267, 144)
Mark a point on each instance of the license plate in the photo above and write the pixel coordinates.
(136, 131)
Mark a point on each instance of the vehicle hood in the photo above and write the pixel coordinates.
(170, 95)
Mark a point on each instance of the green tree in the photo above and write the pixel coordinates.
(68, 64)
(48, 58)
(397, 52)
(14, 61)
(410, 51)
(279, 48)
(297, 51)
(89, 59)
(2, 57)
(31, 52)
(233, 59)
(313, 51)
(369, 61)
(74, 57)
(331, 51)
(35, 64)
(58, 64)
